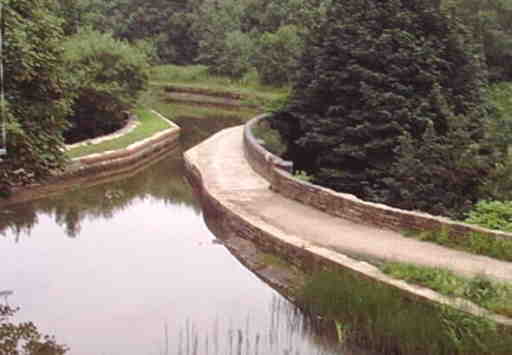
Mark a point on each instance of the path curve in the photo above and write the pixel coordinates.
(227, 174)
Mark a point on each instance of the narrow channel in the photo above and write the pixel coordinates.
(129, 267)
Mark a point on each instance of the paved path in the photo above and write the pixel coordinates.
(227, 173)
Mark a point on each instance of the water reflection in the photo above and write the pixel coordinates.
(142, 274)
(162, 181)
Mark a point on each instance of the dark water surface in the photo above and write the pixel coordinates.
(130, 268)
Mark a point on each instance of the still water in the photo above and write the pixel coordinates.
(129, 267)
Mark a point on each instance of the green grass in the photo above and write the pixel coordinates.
(379, 317)
(475, 243)
(150, 124)
(197, 76)
(493, 296)
(184, 110)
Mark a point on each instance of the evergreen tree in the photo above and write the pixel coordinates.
(380, 77)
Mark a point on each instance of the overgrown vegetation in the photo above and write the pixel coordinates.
(476, 243)
(492, 214)
(491, 295)
(380, 317)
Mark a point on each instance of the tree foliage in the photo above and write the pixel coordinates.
(108, 77)
(491, 23)
(389, 106)
(36, 92)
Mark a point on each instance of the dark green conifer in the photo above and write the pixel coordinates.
(386, 85)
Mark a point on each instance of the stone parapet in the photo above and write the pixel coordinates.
(279, 174)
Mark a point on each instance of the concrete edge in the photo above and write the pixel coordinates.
(310, 257)
(279, 174)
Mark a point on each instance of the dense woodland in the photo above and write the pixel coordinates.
(74, 69)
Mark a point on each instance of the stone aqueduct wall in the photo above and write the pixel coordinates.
(278, 173)
(312, 258)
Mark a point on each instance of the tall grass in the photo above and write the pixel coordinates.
(383, 319)
(287, 332)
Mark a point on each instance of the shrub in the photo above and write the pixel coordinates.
(276, 55)
(109, 75)
(492, 214)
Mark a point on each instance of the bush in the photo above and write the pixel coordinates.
(492, 214)
(109, 75)
(276, 55)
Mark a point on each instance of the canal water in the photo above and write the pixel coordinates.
(129, 267)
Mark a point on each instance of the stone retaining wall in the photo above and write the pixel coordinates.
(278, 173)
(101, 166)
(311, 258)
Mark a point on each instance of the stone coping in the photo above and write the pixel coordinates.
(260, 159)
(305, 255)
(278, 173)
(100, 165)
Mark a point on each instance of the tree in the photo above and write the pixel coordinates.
(36, 92)
(108, 75)
(377, 78)
(490, 22)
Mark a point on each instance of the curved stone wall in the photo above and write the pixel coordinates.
(100, 166)
(262, 161)
(278, 173)
(307, 256)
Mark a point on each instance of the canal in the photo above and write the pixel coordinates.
(129, 267)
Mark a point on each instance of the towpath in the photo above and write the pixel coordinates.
(227, 174)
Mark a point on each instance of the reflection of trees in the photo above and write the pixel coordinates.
(18, 220)
(162, 181)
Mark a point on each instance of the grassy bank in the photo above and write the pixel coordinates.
(149, 124)
(493, 296)
(475, 243)
(197, 76)
(379, 317)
